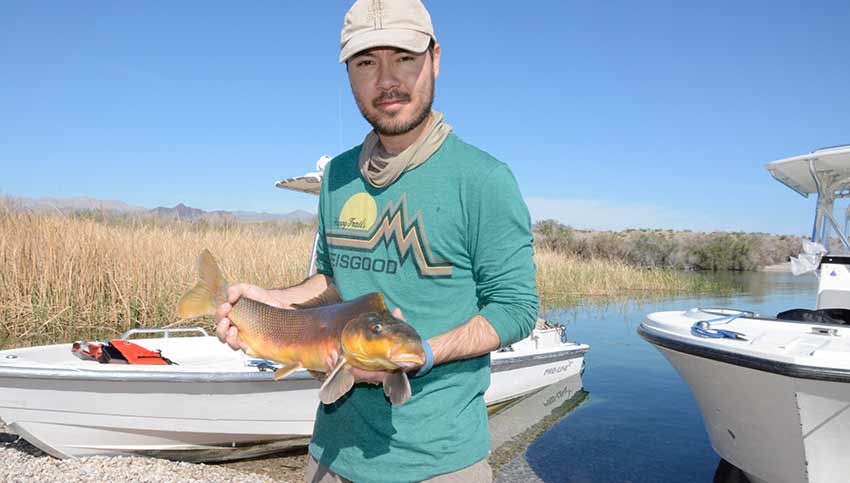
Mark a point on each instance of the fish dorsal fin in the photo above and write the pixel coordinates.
(397, 387)
(377, 301)
(371, 302)
(330, 296)
(339, 382)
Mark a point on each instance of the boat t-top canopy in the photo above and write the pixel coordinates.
(309, 183)
(825, 172)
(798, 173)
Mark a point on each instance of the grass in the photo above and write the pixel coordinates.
(567, 280)
(70, 277)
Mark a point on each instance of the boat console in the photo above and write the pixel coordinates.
(834, 283)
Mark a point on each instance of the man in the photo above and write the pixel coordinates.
(440, 228)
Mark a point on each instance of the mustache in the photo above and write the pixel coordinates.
(393, 95)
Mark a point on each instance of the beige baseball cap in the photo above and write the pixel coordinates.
(404, 24)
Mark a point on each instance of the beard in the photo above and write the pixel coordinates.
(389, 124)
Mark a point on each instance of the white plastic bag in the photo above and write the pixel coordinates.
(809, 260)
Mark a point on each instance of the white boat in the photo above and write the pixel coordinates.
(774, 391)
(214, 404)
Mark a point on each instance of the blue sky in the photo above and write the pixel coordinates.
(611, 114)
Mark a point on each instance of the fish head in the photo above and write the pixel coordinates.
(378, 341)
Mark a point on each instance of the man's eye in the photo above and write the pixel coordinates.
(363, 63)
(408, 58)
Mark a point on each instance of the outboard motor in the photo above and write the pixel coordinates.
(834, 286)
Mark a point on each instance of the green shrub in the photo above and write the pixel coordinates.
(685, 250)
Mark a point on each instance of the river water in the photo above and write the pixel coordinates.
(635, 420)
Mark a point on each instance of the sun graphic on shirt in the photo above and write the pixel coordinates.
(358, 213)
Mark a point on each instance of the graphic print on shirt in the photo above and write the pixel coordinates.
(360, 227)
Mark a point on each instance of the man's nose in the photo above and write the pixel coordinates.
(387, 76)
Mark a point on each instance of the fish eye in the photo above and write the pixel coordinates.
(377, 328)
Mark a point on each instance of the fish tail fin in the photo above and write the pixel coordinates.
(208, 294)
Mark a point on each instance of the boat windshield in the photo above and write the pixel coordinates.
(835, 232)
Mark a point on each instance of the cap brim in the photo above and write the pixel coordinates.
(406, 39)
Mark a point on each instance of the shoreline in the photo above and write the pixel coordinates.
(784, 267)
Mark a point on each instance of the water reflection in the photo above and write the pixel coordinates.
(513, 427)
(762, 286)
(755, 290)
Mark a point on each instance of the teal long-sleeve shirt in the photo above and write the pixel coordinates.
(446, 241)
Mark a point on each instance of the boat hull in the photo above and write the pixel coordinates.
(190, 421)
(204, 416)
(776, 421)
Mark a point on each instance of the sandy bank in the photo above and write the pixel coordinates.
(778, 268)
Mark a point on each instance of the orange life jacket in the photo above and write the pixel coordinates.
(118, 351)
(136, 354)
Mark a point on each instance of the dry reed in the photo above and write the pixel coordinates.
(64, 278)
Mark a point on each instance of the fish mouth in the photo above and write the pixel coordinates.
(406, 360)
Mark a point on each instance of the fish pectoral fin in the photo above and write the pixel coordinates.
(330, 296)
(397, 387)
(285, 370)
(339, 382)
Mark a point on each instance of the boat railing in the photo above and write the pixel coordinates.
(723, 312)
(164, 331)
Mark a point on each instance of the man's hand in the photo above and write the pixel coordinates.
(224, 329)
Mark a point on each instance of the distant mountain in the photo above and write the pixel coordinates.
(181, 211)
(74, 204)
(297, 215)
(302, 215)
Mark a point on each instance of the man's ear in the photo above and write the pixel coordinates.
(435, 58)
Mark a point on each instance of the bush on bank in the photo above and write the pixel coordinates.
(684, 250)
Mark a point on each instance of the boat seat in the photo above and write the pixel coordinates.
(833, 299)
(821, 316)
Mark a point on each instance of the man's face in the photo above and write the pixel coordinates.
(394, 88)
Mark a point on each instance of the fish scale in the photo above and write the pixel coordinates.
(271, 323)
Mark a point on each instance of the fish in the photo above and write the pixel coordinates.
(362, 332)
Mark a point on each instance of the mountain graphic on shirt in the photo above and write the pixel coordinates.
(360, 227)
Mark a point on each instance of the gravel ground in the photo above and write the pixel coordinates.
(21, 462)
(517, 471)
(281, 467)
